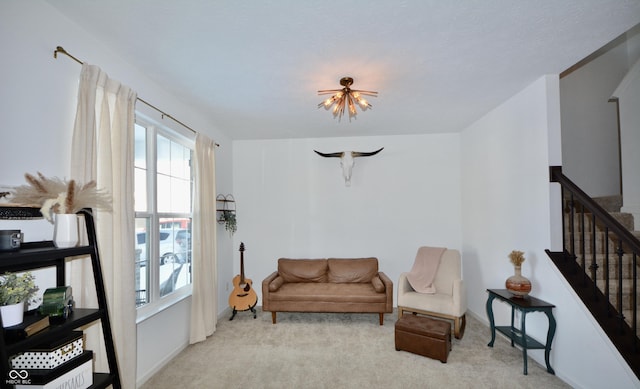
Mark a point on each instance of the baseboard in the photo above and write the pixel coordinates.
(161, 364)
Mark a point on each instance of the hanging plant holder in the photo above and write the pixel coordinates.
(226, 208)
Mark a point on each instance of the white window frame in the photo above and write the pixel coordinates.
(156, 303)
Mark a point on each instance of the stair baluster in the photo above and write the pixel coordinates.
(606, 299)
(594, 263)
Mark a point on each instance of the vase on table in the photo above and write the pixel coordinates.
(12, 314)
(517, 284)
(65, 230)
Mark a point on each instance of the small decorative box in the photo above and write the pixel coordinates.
(51, 355)
(76, 373)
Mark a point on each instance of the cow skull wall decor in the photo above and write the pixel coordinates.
(347, 159)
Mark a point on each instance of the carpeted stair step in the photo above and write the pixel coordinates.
(624, 218)
(602, 245)
(610, 203)
(613, 266)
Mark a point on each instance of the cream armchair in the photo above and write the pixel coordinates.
(449, 301)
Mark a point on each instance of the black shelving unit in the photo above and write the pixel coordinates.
(34, 255)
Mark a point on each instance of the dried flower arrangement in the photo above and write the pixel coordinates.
(55, 195)
(17, 288)
(516, 257)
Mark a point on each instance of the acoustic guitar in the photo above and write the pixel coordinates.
(243, 297)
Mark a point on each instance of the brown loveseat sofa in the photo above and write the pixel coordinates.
(328, 285)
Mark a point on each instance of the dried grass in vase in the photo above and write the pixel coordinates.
(54, 195)
(516, 257)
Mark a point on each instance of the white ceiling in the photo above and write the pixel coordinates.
(255, 67)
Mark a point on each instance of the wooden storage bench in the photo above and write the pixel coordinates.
(423, 336)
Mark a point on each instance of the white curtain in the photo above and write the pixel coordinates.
(203, 299)
(102, 150)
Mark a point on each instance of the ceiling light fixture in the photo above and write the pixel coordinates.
(345, 97)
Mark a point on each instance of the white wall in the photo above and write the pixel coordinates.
(37, 109)
(629, 100)
(293, 203)
(506, 198)
(590, 141)
(628, 95)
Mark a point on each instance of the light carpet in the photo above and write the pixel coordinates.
(331, 350)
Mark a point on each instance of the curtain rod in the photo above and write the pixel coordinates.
(61, 49)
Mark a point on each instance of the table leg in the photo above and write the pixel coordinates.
(491, 322)
(550, 333)
(524, 340)
(512, 315)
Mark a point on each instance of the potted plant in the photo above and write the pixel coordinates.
(229, 219)
(15, 291)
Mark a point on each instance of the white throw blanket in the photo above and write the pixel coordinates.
(425, 268)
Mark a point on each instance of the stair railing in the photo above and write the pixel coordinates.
(579, 201)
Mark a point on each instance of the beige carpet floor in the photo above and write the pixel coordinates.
(314, 350)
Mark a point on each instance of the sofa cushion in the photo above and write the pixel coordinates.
(328, 292)
(302, 270)
(349, 270)
(276, 284)
(377, 283)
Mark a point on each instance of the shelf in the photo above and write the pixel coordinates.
(516, 335)
(10, 212)
(79, 317)
(102, 380)
(34, 255)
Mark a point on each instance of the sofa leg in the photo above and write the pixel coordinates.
(381, 318)
(459, 325)
(273, 317)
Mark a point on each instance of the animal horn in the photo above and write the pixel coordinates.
(366, 154)
(329, 155)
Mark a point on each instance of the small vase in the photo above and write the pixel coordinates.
(65, 230)
(517, 284)
(12, 314)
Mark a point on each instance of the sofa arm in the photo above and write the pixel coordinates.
(459, 297)
(265, 290)
(388, 286)
(403, 284)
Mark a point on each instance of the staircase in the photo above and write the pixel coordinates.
(607, 264)
(600, 261)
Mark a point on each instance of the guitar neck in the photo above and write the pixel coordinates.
(242, 267)
(241, 262)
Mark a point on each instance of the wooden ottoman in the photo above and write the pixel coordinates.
(424, 336)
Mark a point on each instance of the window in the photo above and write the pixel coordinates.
(163, 192)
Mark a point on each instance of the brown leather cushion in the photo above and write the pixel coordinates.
(424, 326)
(276, 284)
(348, 270)
(327, 293)
(303, 270)
(378, 285)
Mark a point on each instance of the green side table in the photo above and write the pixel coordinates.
(519, 336)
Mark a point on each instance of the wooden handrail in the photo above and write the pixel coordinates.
(614, 226)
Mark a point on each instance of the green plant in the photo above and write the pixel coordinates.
(16, 288)
(230, 223)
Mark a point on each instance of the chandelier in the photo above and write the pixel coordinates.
(345, 98)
